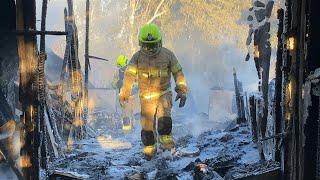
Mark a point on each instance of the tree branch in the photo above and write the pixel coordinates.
(156, 14)
(157, 9)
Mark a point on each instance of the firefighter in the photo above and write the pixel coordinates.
(152, 67)
(127, 108)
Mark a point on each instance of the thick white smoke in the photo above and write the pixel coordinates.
(206, 66)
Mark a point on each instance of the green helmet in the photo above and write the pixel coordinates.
(150, 39)
(122, 61)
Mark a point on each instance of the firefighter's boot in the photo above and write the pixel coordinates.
(149, 151)
(165, 135)
(126, 125)
(166, 142)
(148, 140)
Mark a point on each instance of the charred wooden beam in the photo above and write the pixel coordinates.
(311, 164)
(97, 58)
(239, 99)
(75, 75)
(42, 32)
(63, 73)
(278, 85)
(41, 125)
(300, 76)
(262, 54)
(27, 51)
(261, 41)
(293, 77)
(86, 66)
(253, 112)
(287, 151)
(277, 136)
(259, 120)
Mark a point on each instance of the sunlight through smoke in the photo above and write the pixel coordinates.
(109, 143)
(91, 104)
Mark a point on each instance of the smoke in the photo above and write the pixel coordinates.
(205, 65)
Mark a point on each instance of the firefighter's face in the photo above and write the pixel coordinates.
(150, 48)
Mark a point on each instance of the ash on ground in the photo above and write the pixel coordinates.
(214, 154)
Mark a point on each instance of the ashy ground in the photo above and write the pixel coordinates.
(209, 155)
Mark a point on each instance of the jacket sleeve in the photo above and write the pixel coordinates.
(130, 76)
(176, 70)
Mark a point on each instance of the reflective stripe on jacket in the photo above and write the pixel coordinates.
(153, 74)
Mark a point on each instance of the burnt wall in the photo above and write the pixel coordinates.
(7, 14)
(8, 59)
(312, 63)
(314, 33)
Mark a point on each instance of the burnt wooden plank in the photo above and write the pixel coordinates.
(42, 32)
(27, 51)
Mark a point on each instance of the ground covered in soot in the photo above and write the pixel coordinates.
(214, 154)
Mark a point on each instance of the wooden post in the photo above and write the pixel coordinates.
(253, 113)
(301, 65)
(293, 79)
(75, 75)
(236, 90)
(242, 105)
(259, 120)
(86, 79)
(286, 148)
(239, 102)
(26, 19)
(35, 32)
(262, 54)
(311, 164)
(41, 89)
(63, 83)
(278, 86)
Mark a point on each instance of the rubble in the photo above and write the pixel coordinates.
(226, 138)
(184, 141)
(189, 151)
(200, 170)
(202, 157)
(68, 174)
(233, 126)
(283, 116)
(266, 170)
(136, 176)
(223, 162)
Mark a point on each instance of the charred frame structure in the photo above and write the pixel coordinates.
(36, 127)
(297, 90)
(312, 149)
(27, 50)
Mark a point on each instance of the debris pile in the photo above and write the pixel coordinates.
(211, 155)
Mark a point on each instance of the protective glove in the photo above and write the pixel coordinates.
(183, 99)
